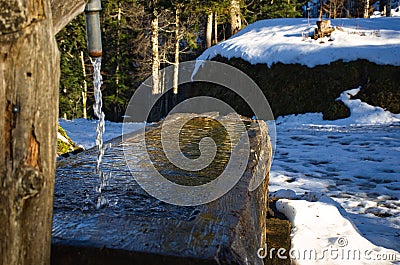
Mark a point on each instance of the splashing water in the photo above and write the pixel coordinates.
(97, 107)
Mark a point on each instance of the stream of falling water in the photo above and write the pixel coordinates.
(97, 107)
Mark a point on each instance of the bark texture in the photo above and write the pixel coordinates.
(236, 20)
(84, 92)
(209, 29)
(388, 8)
(64, 11)
(177, 42)
(155, 54)
(215, 28)
(366, 9)
(29, 77)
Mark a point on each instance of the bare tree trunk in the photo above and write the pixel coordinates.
(177, 40)
(84, 92)
(236, 20)
(216, 28)
(348, 7)
(209, 29)
(388, 8)
(321, 10)
(337, 7)
(155, 54)
(29, 78)
(366, 8)
(116, 110)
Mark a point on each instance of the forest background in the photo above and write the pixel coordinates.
(140, 37)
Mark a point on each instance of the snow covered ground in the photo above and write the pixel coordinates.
(280, 40)
(338, 182)
(83, 131)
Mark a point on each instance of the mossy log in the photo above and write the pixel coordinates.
(65, 145)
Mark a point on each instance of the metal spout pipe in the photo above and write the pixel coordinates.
(93, 29)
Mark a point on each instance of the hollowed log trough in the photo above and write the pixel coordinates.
(138, 229)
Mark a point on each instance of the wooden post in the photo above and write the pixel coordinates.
(29, 79)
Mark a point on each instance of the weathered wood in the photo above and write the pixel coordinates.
(65, 11)
(29, 77)
(143, 230)
(323, 29)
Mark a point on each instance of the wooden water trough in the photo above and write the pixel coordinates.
(136, 228)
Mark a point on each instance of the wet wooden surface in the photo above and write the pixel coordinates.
(142, 230)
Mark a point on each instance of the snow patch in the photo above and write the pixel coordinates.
(281, 40)
(321, 235)
(361, 114)
(338, 181)
(83, 131)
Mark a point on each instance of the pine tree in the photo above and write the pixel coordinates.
(129, 57)
(274, 9)
(72, 42)
(119, 42)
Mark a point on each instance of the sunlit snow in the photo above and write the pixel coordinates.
(338, 182)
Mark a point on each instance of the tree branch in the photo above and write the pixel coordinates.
(64, 11)
(164, 60)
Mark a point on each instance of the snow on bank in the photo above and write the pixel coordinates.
(280, 40)
(357, 166)
(83, 131)
(321, 235)
(361, 114)
(337, 182)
